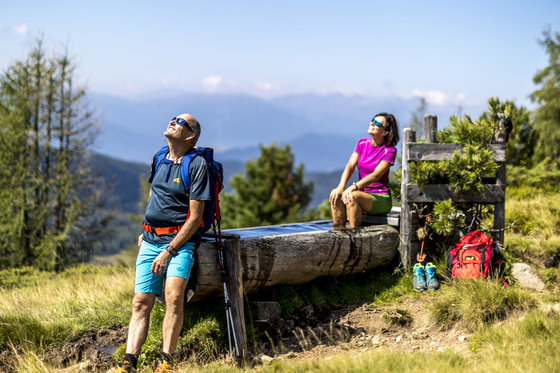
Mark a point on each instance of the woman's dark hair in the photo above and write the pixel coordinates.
(392, 138)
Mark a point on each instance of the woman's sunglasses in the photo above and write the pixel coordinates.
(376, 123)
(181, 122)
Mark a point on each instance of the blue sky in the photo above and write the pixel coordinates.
(456, 52)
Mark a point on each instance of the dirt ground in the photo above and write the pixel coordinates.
(310, 333)
(404, 326)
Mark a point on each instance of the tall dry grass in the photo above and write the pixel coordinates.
(80, 299)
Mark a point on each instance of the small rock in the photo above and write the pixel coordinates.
(551, 262)
(440, 349)
(416, 347)
(462, 338)
(375, 341)
(551, 308)
(264, 359)
(267, 311)
(398, 339)
(526, 277)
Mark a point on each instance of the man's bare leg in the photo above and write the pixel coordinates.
(173, 320)
(142, 305)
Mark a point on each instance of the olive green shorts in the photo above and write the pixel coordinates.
(382, 204)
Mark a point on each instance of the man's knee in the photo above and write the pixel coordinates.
(174, 298)
(142, 303)
(175, 292)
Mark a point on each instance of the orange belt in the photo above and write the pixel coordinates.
(161, 230)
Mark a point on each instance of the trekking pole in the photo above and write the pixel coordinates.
(219, 247)
(229, 314)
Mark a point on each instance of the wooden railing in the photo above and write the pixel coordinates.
(493, 193)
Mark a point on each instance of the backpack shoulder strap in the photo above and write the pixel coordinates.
(158, 158)
(185, 166)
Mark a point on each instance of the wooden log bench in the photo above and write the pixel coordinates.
(294, 254)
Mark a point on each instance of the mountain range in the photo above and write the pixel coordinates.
(321, 129)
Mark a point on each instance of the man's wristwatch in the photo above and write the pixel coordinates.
(171, 250)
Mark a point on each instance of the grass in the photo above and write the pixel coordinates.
(477, 303)
(42, 310)
(537, 222)
(536, 233)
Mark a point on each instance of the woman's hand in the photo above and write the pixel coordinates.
(348, 196)
(336, 195)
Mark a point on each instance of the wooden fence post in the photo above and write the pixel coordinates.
(430, 128)
(409, 135)
(234, 284)
(500, 208)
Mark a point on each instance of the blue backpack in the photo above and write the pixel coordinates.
(216, 174)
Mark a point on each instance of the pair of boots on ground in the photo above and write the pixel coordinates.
(163, 365)
(424, 277)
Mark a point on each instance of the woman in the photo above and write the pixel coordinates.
(374, 157)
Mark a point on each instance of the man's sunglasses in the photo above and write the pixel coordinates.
(181, 122)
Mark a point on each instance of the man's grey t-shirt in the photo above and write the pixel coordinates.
(169, 203)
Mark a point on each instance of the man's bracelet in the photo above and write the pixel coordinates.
(355, 186)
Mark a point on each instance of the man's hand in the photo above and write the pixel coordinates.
(139, 241)
(160, 262)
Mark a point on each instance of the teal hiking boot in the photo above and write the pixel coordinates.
(431, 281)
(418, 279)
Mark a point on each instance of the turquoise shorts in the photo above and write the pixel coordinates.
(382, 204)
(179, 266)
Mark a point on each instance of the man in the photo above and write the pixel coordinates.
(166, 247)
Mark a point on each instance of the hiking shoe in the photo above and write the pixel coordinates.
(124, 367)
(431, 281)
(418, 279)
(163, 366)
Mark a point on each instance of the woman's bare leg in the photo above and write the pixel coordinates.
(360, 204)
(338, 211)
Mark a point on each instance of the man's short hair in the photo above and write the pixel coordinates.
(195, 126)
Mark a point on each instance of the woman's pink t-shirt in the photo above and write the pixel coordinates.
(369, 158)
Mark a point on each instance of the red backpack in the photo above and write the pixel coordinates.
(474, 256)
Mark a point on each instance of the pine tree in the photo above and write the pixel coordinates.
(271, 192)
(547, 115)
(48, 193)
